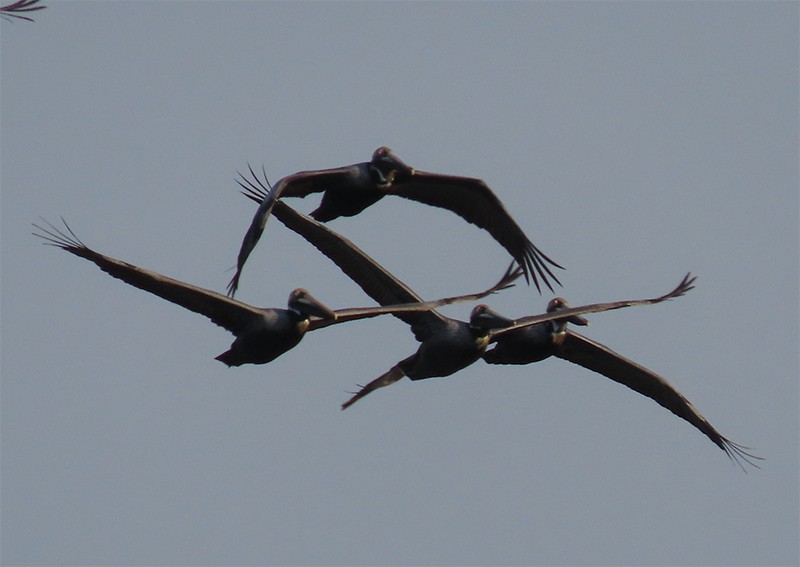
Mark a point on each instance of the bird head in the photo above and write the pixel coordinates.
(387, 162)
(484, 319)
(304, 303)
(560, 325)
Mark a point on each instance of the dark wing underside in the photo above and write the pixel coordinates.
(228, 313)
(376, 281)
(297, 185)
(387, 379)
(598, 358)
(472, 200)
(356, 313)
(687, 283)
(305, 183)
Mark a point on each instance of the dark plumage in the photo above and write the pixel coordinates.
(448, 345)
(349, 190)
(17, 9)
(262, 334)
(552, 338)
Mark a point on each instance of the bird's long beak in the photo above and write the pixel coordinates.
(387, 161)
(305, 303)
(577, 320)
(557, 304)
(483, 317)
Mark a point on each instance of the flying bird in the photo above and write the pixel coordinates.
(349, 190)
(552, 338)
(262, 334)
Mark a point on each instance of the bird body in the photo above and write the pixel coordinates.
(267, 337)
(524, 346)
(447, 346)
(452, 346)
(350, 192)
(346, 191)
(521, 343)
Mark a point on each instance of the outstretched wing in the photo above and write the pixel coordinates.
(598, 358)
(228, 313)
(373, 278)
(386, 379)
(297, 185)
(472, 200)
(685, 285)
(256, 228)
(356, 313)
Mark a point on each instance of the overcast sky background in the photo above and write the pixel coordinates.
(632, 141)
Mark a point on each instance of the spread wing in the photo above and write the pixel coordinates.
(687, 283)
(297, 185)
(373, 278)
(386, 379)
(355, 313)
(598, 358)
(472, 200)
(228, 313)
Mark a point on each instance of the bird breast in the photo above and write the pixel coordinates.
(523, 346)
(447, 351)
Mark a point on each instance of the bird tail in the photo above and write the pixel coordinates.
(228, 358)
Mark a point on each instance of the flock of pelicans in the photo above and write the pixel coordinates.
(446, 345)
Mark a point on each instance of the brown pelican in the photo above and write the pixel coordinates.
(351, 189)
(16, 9)
(447, 345)
(552, 338)
(262, 334)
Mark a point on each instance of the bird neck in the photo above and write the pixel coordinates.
(297, 315)
(478, 332)
(379, 178)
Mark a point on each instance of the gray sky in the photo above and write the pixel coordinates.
(632, 141)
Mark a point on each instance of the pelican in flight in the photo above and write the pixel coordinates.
(262, 334)
(552, 338)
(349, 190)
